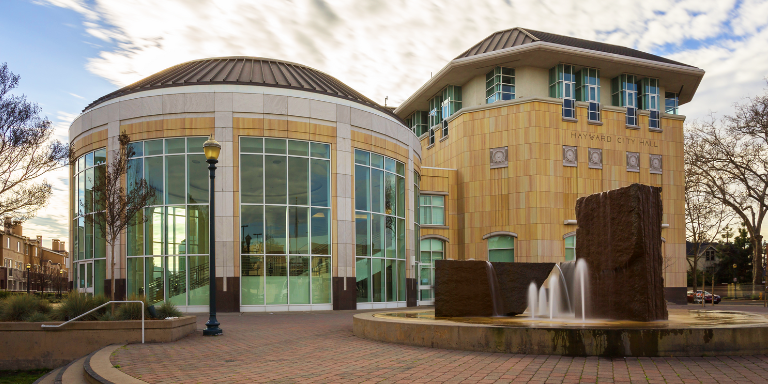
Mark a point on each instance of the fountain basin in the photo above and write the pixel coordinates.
(686, 333)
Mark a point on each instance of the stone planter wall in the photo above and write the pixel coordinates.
(30, 346)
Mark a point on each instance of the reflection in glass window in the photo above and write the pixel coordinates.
(624, 94)
(499, 85)
(168, 255)
(588, 90)
(649, 100)
(671, 102)
(89, 243)
(379, 225)
(562, 84)
(285, 238)
(501, 248)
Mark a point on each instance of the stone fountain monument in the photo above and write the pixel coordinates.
(619, 236)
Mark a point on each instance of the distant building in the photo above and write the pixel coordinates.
(47, 266)
(707, 251)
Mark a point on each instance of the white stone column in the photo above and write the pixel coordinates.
(224, 189)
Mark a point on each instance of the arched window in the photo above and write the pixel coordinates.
(570, 248)
(501, 248)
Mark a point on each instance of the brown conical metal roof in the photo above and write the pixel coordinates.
(519, 36)
(246, 71)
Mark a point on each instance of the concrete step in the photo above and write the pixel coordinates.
(97, 368)
(73, 373)
(49, 377)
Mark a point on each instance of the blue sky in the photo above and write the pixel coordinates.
(71, 52)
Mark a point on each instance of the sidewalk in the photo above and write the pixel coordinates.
(319, 347)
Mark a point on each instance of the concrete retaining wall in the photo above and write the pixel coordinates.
(29, 346)
(564, 341)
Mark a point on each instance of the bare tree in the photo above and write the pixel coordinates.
(119, 207)
(26, 152)
(705, 216)
(731, 157)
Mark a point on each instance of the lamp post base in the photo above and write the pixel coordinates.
(212, 329)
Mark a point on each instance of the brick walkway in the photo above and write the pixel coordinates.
(320, 347)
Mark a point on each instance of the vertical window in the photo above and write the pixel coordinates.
(649, 101)
(285, 216)
(168, 255)
(588, 90)
(418, 123)
(435, 110)
(432, 210)
(451, 103)
(499, 85)
(570, 248)
(624, 94)
(501, 248)
(431, 136)
(379, 226)
(562, 86)
(670, 103)
(431, 250)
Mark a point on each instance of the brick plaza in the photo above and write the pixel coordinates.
(320, 347)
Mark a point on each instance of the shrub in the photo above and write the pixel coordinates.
(21, 307)
(75, 304)
(168, 309)
(132, 311)
(38, 317)
(106, 316)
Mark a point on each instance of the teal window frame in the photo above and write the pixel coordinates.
(570, 247)
(495, 243)
(649, 100)
(499, 85)
(418, 122)
(588, 90)
(562, 84)
(624, 94)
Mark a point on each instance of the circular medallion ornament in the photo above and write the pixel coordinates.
(656, 163)
(570, 155)
(633, 161)
(595, 157)
(498, 157)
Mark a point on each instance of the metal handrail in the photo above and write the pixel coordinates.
(109, 302)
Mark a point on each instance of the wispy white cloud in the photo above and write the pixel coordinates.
(76, 95)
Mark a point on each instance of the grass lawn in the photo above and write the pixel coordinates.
(21, 377)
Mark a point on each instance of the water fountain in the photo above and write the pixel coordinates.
(609, 302)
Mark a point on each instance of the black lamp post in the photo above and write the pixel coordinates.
(212, 149)
(29, 266)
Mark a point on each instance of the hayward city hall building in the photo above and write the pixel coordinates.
(327, 200)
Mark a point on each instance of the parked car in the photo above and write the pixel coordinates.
(707, 297)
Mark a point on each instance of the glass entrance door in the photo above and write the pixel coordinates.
(430, 251)
(85, 277)
(426, 287)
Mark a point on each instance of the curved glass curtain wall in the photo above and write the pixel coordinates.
(89, 246)
(285, 222)
(168, 254)
(379, 228)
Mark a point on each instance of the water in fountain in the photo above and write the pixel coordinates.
(493, 281)
(542, 302)
(581, 280)
(563, 295)
(532, 293)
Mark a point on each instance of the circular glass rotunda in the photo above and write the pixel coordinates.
(314, 191)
